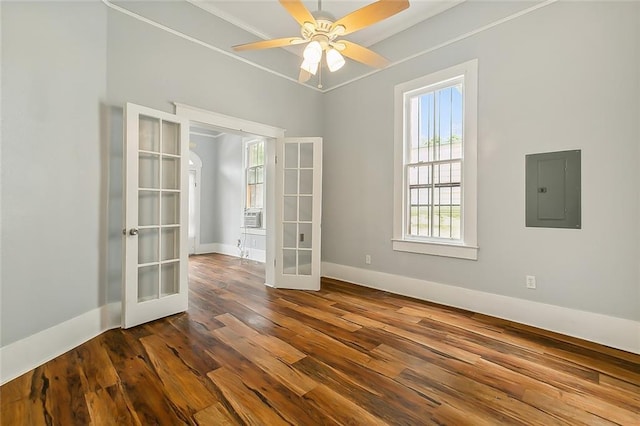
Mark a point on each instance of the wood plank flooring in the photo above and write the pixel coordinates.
(346, 355)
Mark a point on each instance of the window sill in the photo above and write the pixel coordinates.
(253, 231)
(459, 251)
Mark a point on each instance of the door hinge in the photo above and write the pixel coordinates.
(276, 159)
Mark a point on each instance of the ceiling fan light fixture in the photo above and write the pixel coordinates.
(310, 67)
(313, 52)
(335, 60)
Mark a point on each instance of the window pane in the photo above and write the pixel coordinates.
(259, 174)
(260, 154)
(424, 175)
(414, 196)
(423, 196)
(456, 172)
(413, 221)
(413, 175)
(251, 176)
(259, 196)
(455, 195)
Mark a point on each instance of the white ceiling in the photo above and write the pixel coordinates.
(268, 19)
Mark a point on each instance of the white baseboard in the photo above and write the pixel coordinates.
(24, 355)
(230, 250)
(611, 331)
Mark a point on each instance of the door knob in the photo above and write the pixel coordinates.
(133, 231)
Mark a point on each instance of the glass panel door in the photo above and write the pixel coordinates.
(299, 186)
(156, 215)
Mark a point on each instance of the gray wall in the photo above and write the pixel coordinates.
(205, 147)
(54, 164)
(563, 77)
(221, 188)
(229, 180)
(67, 70)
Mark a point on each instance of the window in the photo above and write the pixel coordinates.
(254, 175)
(436, 163)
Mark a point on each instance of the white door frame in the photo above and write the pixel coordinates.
(196, 167)
(270, 133)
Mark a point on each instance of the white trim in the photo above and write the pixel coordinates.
(230, 250)
(611, 331)
(461, 251)
(253, 231)
(227, 122)
(206, 248)
(24, 355)
(209, 7)
(467, 248)
(257, 255)
(206, 135)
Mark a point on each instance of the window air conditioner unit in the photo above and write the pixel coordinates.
(253, 218)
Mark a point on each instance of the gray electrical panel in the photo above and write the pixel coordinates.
(553, 190)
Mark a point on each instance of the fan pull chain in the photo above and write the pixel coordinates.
(320, 76)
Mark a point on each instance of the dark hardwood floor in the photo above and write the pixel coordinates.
(248, 354)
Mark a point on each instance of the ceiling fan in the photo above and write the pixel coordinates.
(321, 31)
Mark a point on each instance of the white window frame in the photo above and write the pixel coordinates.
(467, 246)
(245, 146)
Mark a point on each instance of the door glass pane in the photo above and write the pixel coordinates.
(170, 208)
(148, 241)
(170, 243)
(148, 277)
(304, 262)
(149, 134)
(290, 208)
(170, 138)
(289, 262)
(306, 155)
(306, 181)
(149, 171)
(291, 156)
(290, 181)
(148, 208)
(306, 205)
(170, 283)
(170, 173)
(290, 235)
(305, 236)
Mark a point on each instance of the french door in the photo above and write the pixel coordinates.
(298, 212)
(156, 209)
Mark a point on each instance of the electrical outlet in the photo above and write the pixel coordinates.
(367, 259)
(531, 281)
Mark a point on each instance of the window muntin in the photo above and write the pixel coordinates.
(433, 161)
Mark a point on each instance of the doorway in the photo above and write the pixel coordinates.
(269, 134)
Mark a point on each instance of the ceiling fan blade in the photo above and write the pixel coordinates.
(362, 54)
(267, 44)
(298, 11)
(304, 76)
(369, 15)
